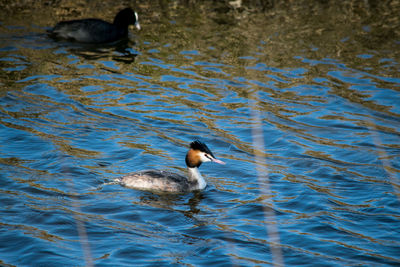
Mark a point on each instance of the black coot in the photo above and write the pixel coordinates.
(96, 30)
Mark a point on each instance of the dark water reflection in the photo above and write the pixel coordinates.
(301, 101)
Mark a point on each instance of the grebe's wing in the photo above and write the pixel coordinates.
(156, 180)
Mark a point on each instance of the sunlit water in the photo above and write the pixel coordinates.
(307, 124)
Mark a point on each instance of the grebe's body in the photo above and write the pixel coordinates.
(156, 180)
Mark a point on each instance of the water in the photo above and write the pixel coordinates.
(303, 109)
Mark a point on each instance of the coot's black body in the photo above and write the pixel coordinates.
(96, 30)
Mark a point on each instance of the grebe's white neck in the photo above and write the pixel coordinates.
(194, 176)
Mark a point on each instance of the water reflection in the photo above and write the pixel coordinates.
(120, 51)
(322, 77)
(172, 202)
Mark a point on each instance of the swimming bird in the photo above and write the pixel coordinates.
(96, 30)
(164, 181)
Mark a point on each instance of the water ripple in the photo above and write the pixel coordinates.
(72, 118)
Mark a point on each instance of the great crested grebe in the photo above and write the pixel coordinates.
(155, 180)
(96, 30)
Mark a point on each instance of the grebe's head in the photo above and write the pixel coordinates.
(199, 153)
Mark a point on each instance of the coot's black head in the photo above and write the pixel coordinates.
(127, 17)
(199, 153)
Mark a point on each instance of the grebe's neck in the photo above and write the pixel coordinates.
(194, 176)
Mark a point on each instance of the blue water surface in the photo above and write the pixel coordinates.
(309, 134)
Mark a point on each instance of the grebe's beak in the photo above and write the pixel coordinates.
(217, 161)
(204, 157)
